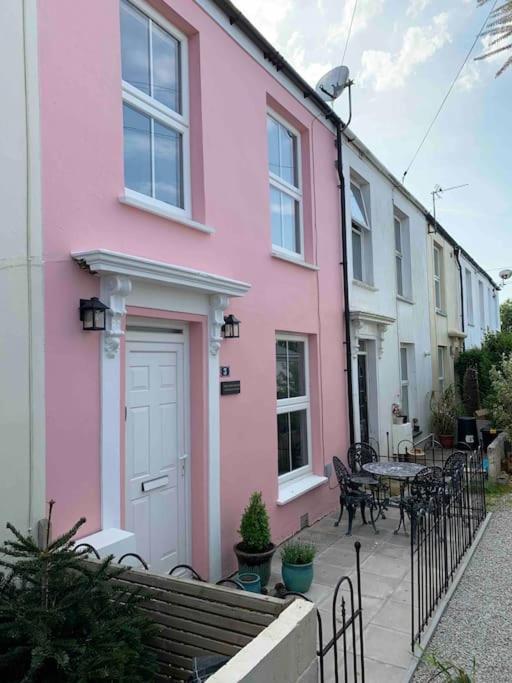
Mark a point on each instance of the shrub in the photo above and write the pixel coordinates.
(65, 621)
(501, 405)
(255, 527)
(444, 411)
(479, 360)
(298, 552)
(471, 391)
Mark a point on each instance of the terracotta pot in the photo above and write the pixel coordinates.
(446, 440)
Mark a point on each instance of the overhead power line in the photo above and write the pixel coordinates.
(349, 32)
(452, 84)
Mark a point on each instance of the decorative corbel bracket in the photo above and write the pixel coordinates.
(218, 304)
(381, 333)
(114, 290)
(356, 326)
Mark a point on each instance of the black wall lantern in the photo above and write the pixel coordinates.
(231, 327)
(92, 314)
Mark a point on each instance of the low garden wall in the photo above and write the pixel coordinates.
(495, 454)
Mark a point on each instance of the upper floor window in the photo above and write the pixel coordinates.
(155, 107)
(285, 186)
(361, 234)
(293, 452)
(469, 297)
(481, 304)
(438, 277)
(402, 257)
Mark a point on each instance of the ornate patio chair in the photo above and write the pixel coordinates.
(353, 497)
(453, 474)
(360, 454)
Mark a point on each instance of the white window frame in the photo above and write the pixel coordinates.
(438, 278)
(151, 107)
(405, 383)
(441, 367)
(287, 188)
(403, 255)
(290, 405)
(365, 231)
(481, 304)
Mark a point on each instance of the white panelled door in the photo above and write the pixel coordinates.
(157, 470)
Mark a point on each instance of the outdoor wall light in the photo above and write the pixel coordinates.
(231, 327)
(92, 314)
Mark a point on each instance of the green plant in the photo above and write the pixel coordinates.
(64, 620)
(506, 316)
(471, 391)
(451, 672)
(298, 552)
(501, 406)
(443, 412)
(479, 360)
(255, 527)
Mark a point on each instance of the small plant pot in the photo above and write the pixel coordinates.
(398, 420)
(446, 440)
(297, 577)
(250, 581)
(259, 563)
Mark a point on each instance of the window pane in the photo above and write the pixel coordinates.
(135, 47)
(298, 438)
(398, 236)
(399, 276)
(403, 364)
(296, 369)
(273, 145)
(168, 165)
(284, 217)
(440, 361)
(437, 262)
(438, 294)
(287, 143)
(357, 205)
(290, 223)
(283, 443)
(281, 369)
(166, 68)
(357, 254)
(137, 151)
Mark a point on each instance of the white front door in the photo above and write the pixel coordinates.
(157, 470)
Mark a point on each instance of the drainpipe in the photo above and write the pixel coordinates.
(346, 313)
(456, 251)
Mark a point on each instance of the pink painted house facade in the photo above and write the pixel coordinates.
(184, 178)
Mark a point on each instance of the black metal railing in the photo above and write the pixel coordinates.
(347, 627)
(443, 527)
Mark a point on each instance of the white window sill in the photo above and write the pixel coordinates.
(295, 488)
(405, 299)
(159, 209)
(441, 313)
(364, 285)
(291, 259)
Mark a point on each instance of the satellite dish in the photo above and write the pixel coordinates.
(506, 274)
(330, 86)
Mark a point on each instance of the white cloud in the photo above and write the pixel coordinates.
(469, 77)
(296, 55)
(416, 7)
(385, 71)
(366, 11)
(267, 15)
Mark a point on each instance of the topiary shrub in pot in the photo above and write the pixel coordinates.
(254, 552)
(443, 415)
(297, 569)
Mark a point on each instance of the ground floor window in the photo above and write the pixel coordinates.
(293, 406)
(441, 352)
(404, 380)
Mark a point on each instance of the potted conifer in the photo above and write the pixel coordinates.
(443, 409)
(255, 551)
(297, 569)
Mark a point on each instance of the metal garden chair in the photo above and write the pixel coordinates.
(353, 497)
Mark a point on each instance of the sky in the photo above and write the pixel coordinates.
(403, 55)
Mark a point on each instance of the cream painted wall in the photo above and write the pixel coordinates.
(21, 339)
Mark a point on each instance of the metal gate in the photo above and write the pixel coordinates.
(347, 627)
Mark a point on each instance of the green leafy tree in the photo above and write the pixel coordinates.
(65, 620)
(471, 391)
(499, 30)
(501, 405)
(506, 315)
(255, 526)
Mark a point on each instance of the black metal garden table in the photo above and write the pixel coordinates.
(402, 472)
